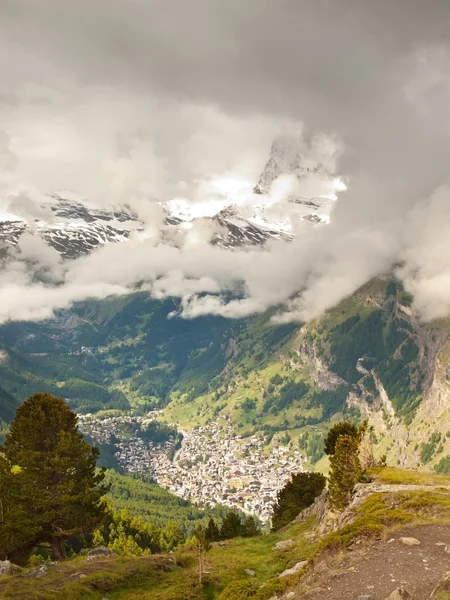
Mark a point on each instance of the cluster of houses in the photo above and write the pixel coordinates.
(212, 466)
(216, 466)
(133, 452)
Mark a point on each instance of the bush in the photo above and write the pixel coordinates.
(443, 466)
(239, 590)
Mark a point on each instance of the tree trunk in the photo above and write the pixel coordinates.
(200, 567)
(57, 550)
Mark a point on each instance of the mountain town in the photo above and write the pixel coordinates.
(213, 465)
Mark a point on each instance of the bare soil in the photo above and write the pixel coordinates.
(374, 571)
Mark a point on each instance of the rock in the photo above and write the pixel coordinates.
(100, 551)
(76, 576)
(298, 567)
(284, 545)
(441, 544)
(447, 549)
(250, 572)
(40, 571)
(290, 595)
(8, 568)
(400, 593)
(409, 541)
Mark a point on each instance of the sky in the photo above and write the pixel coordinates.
(144, 101)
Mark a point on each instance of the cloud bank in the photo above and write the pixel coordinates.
(150, 100)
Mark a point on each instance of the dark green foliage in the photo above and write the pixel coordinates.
(429, 448)
(343, 428)
(155, 505)
(290, 392)
(212, 531)
(375, 338)
(231, 526)
(248, 404)
(443, 466)
(276, 379)
(298, 493)
(313, 446)
(55, 483)
(345, 471)
(331, 401)
(8, 405)
(250, 527)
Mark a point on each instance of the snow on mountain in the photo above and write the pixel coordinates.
(314, 192)
(74, 228)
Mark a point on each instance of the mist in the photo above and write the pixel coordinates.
(146, 102)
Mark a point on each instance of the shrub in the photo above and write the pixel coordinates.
(239, 590)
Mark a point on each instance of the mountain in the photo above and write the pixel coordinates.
(71, 227)
(369, 357)
(287, 158)
(74, 227)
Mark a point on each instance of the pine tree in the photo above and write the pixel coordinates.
(250, 527)
(345, 471)
(18, 529)
(212, 531)
(231, 526)
(298, 493)
(343, 428)
(56, 485)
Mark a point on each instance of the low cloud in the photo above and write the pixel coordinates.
(148, 102)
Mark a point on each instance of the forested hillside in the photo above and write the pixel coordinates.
(370, 355)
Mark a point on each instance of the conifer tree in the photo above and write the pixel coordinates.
(345, 471)
(250, 527)
(342, 428)
(231, 526)
(298, 493)
(55, 484)
(212, 531)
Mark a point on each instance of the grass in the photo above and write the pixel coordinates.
(168, 577)
(392, 475)
(382, 511)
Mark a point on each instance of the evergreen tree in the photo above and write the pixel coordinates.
(250, 527)
(298, 493)
(343, 428)
(231, 526)
(55, 484)
(345, 471)
(212, 531)
(18, 528)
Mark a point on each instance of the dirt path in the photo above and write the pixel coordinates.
(373, 572)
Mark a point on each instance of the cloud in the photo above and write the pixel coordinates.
(149, 101)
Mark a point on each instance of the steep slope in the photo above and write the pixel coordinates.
(370, 357)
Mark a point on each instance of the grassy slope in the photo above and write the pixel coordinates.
(148, 578)
(212, 368)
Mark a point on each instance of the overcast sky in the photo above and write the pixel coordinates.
(141, 101)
